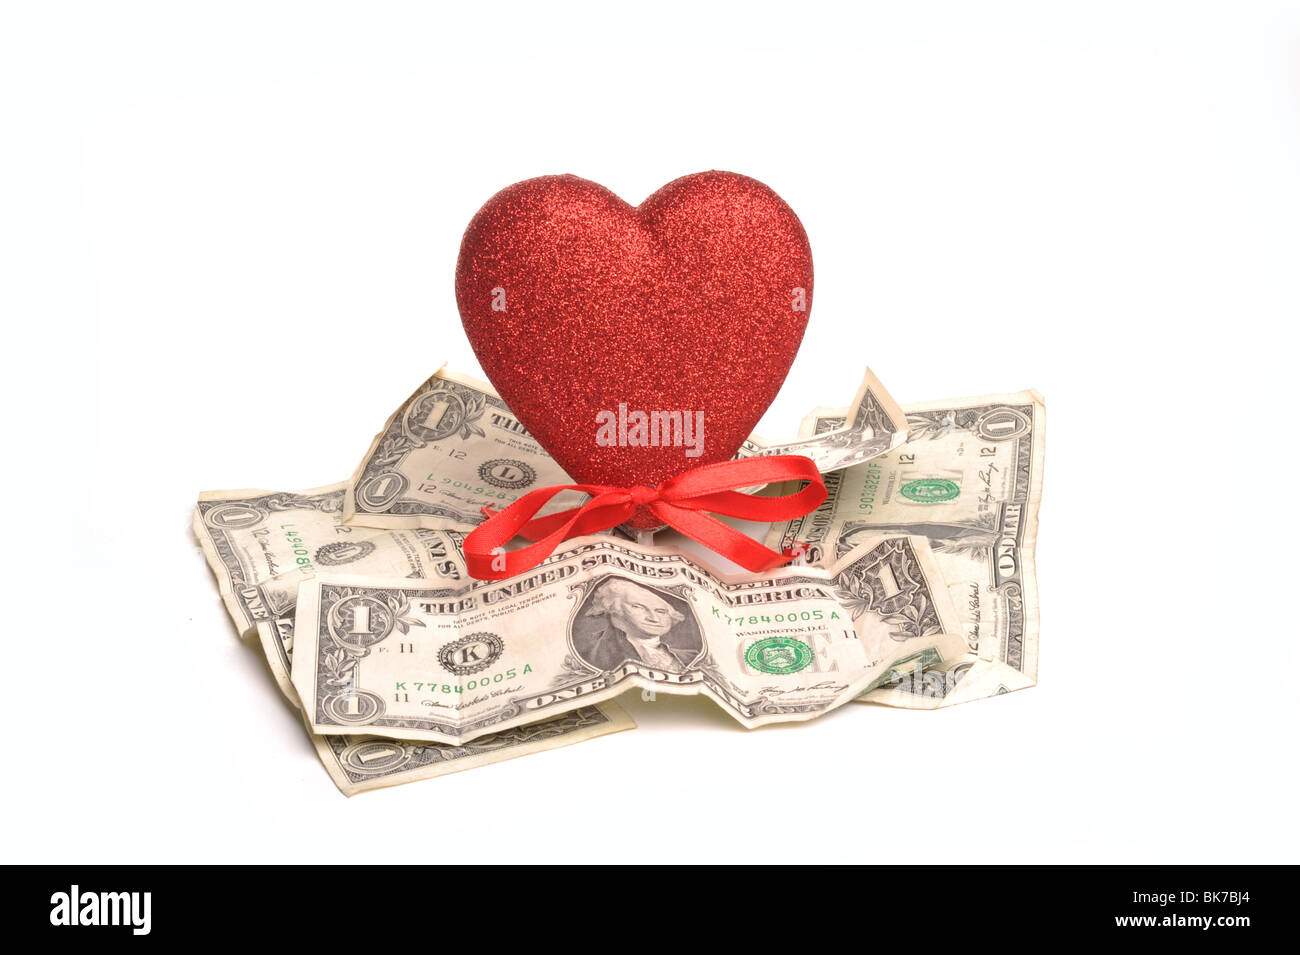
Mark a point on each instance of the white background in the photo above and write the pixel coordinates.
(227, 241)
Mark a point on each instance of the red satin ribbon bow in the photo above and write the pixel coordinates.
(680, 502)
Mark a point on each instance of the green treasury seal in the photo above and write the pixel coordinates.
(779, 655)
(930, 489)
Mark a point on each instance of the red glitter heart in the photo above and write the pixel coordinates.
(584, 310)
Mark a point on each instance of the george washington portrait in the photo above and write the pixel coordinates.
(623, 621)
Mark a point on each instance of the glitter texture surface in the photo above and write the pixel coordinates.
(576, 302)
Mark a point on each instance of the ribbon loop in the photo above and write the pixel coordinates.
(683, 502)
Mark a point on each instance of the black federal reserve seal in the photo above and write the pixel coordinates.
(470, 654)
(505, 473)
(343, 552)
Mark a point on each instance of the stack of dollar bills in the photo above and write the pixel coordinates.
(915, 588)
